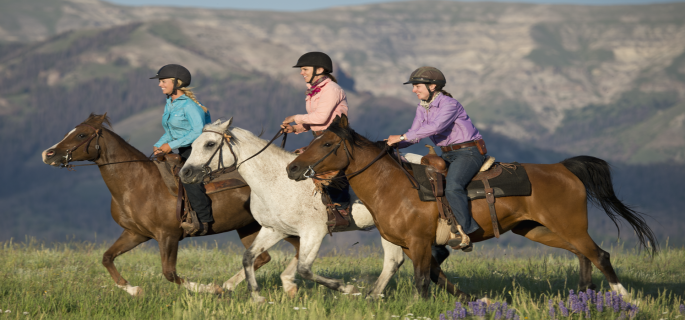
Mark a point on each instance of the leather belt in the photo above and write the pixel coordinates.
(453, 147)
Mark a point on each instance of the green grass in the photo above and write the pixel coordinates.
(66, 280)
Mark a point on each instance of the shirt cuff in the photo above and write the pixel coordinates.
(411, 137)
(299, 118)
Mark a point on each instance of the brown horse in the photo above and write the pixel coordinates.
(143, 206)
(555, 214)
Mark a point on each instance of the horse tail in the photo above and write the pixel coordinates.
(595, 174)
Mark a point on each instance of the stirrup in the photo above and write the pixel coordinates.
(193, 230)
(460, 241)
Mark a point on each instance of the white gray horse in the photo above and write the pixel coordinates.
(282, 206)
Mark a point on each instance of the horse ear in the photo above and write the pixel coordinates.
(344, 123)
(96, 119)
(227, 124)
(217, 122)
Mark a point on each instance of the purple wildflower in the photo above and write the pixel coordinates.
(622, 316)
(551, 309)
(682, 308)
(632, 311)
(616, 302)
(516, 317)
(442, 316)
(591, 295)
(510, 314)
(562, 309)
(599, 300)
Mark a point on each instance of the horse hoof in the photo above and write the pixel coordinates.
(258, 299)
(350, 289)
(486, 300)
(215, 289)
(292, 292)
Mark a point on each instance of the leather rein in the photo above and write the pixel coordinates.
(96, 135)
(226, 139)
(310, 173)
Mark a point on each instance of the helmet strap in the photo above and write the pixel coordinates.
(314, 74)
(430, 93)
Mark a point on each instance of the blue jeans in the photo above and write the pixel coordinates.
(463, 166)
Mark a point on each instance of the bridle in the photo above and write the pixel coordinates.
(210, 174)
(96, 135)
(310, 173)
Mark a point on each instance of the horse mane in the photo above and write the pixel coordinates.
(348, 134)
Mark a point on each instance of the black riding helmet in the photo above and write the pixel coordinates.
(175, 72)
(315, 60)
(428, 75)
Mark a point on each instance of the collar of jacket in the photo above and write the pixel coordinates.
(435, 102)
(323, 83)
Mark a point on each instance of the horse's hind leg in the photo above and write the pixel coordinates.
(541, 234)
(392, 261)
(441, 280)
(127, 241)
(600, 259)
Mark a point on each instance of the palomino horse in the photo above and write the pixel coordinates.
(142, 205)
(283, 207)
(555, 214)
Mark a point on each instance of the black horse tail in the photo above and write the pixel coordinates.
(595, 174)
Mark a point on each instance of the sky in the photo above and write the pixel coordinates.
(305, 5)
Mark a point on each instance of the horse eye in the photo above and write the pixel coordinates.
(210, 144)
(327, 144)
(81, 135)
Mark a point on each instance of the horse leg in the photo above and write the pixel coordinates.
(420, 254)
(601, 260)
(127, 241)
(441, 280)
(541, 234)
(440, 253)
(288, 275)
(392, 261)
(247, 235)
(168, 249)
(266, 238)
(308, 252)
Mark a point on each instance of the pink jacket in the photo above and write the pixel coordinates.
(323, 107)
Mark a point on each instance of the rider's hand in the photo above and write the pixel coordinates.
(289, 119)
(299, 128)
(394, 139)
(287, 128)
(164, 149)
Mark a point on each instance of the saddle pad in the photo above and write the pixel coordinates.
(512, 182)
(226, 181)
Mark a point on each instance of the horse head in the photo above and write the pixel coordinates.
(329, 152)
(80, 144)
(211, 152)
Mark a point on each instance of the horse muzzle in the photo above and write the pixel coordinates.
(296, 171)
(53, 157)
(191, 175)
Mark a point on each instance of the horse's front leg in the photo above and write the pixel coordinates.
(420, 254)
(168, 249)
(266, 238)
(309, 249)
(392, 261)
(127, 241)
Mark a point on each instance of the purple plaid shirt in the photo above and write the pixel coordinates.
(445, 122)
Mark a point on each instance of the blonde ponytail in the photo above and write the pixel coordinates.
(189, 93)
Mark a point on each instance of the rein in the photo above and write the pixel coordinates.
(310, 173)
(97, 134)
(226, 139)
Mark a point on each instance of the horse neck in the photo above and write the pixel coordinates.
(118, 174)
(264, 167)
(382, 179)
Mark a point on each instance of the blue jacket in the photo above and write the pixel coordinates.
(183, 121)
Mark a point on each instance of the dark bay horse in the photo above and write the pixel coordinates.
(143, 206)
(555, 214)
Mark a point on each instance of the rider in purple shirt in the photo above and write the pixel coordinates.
(444, 120)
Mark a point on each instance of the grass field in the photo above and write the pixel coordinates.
(67, 281)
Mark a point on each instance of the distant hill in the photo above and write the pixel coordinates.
(542, 83)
